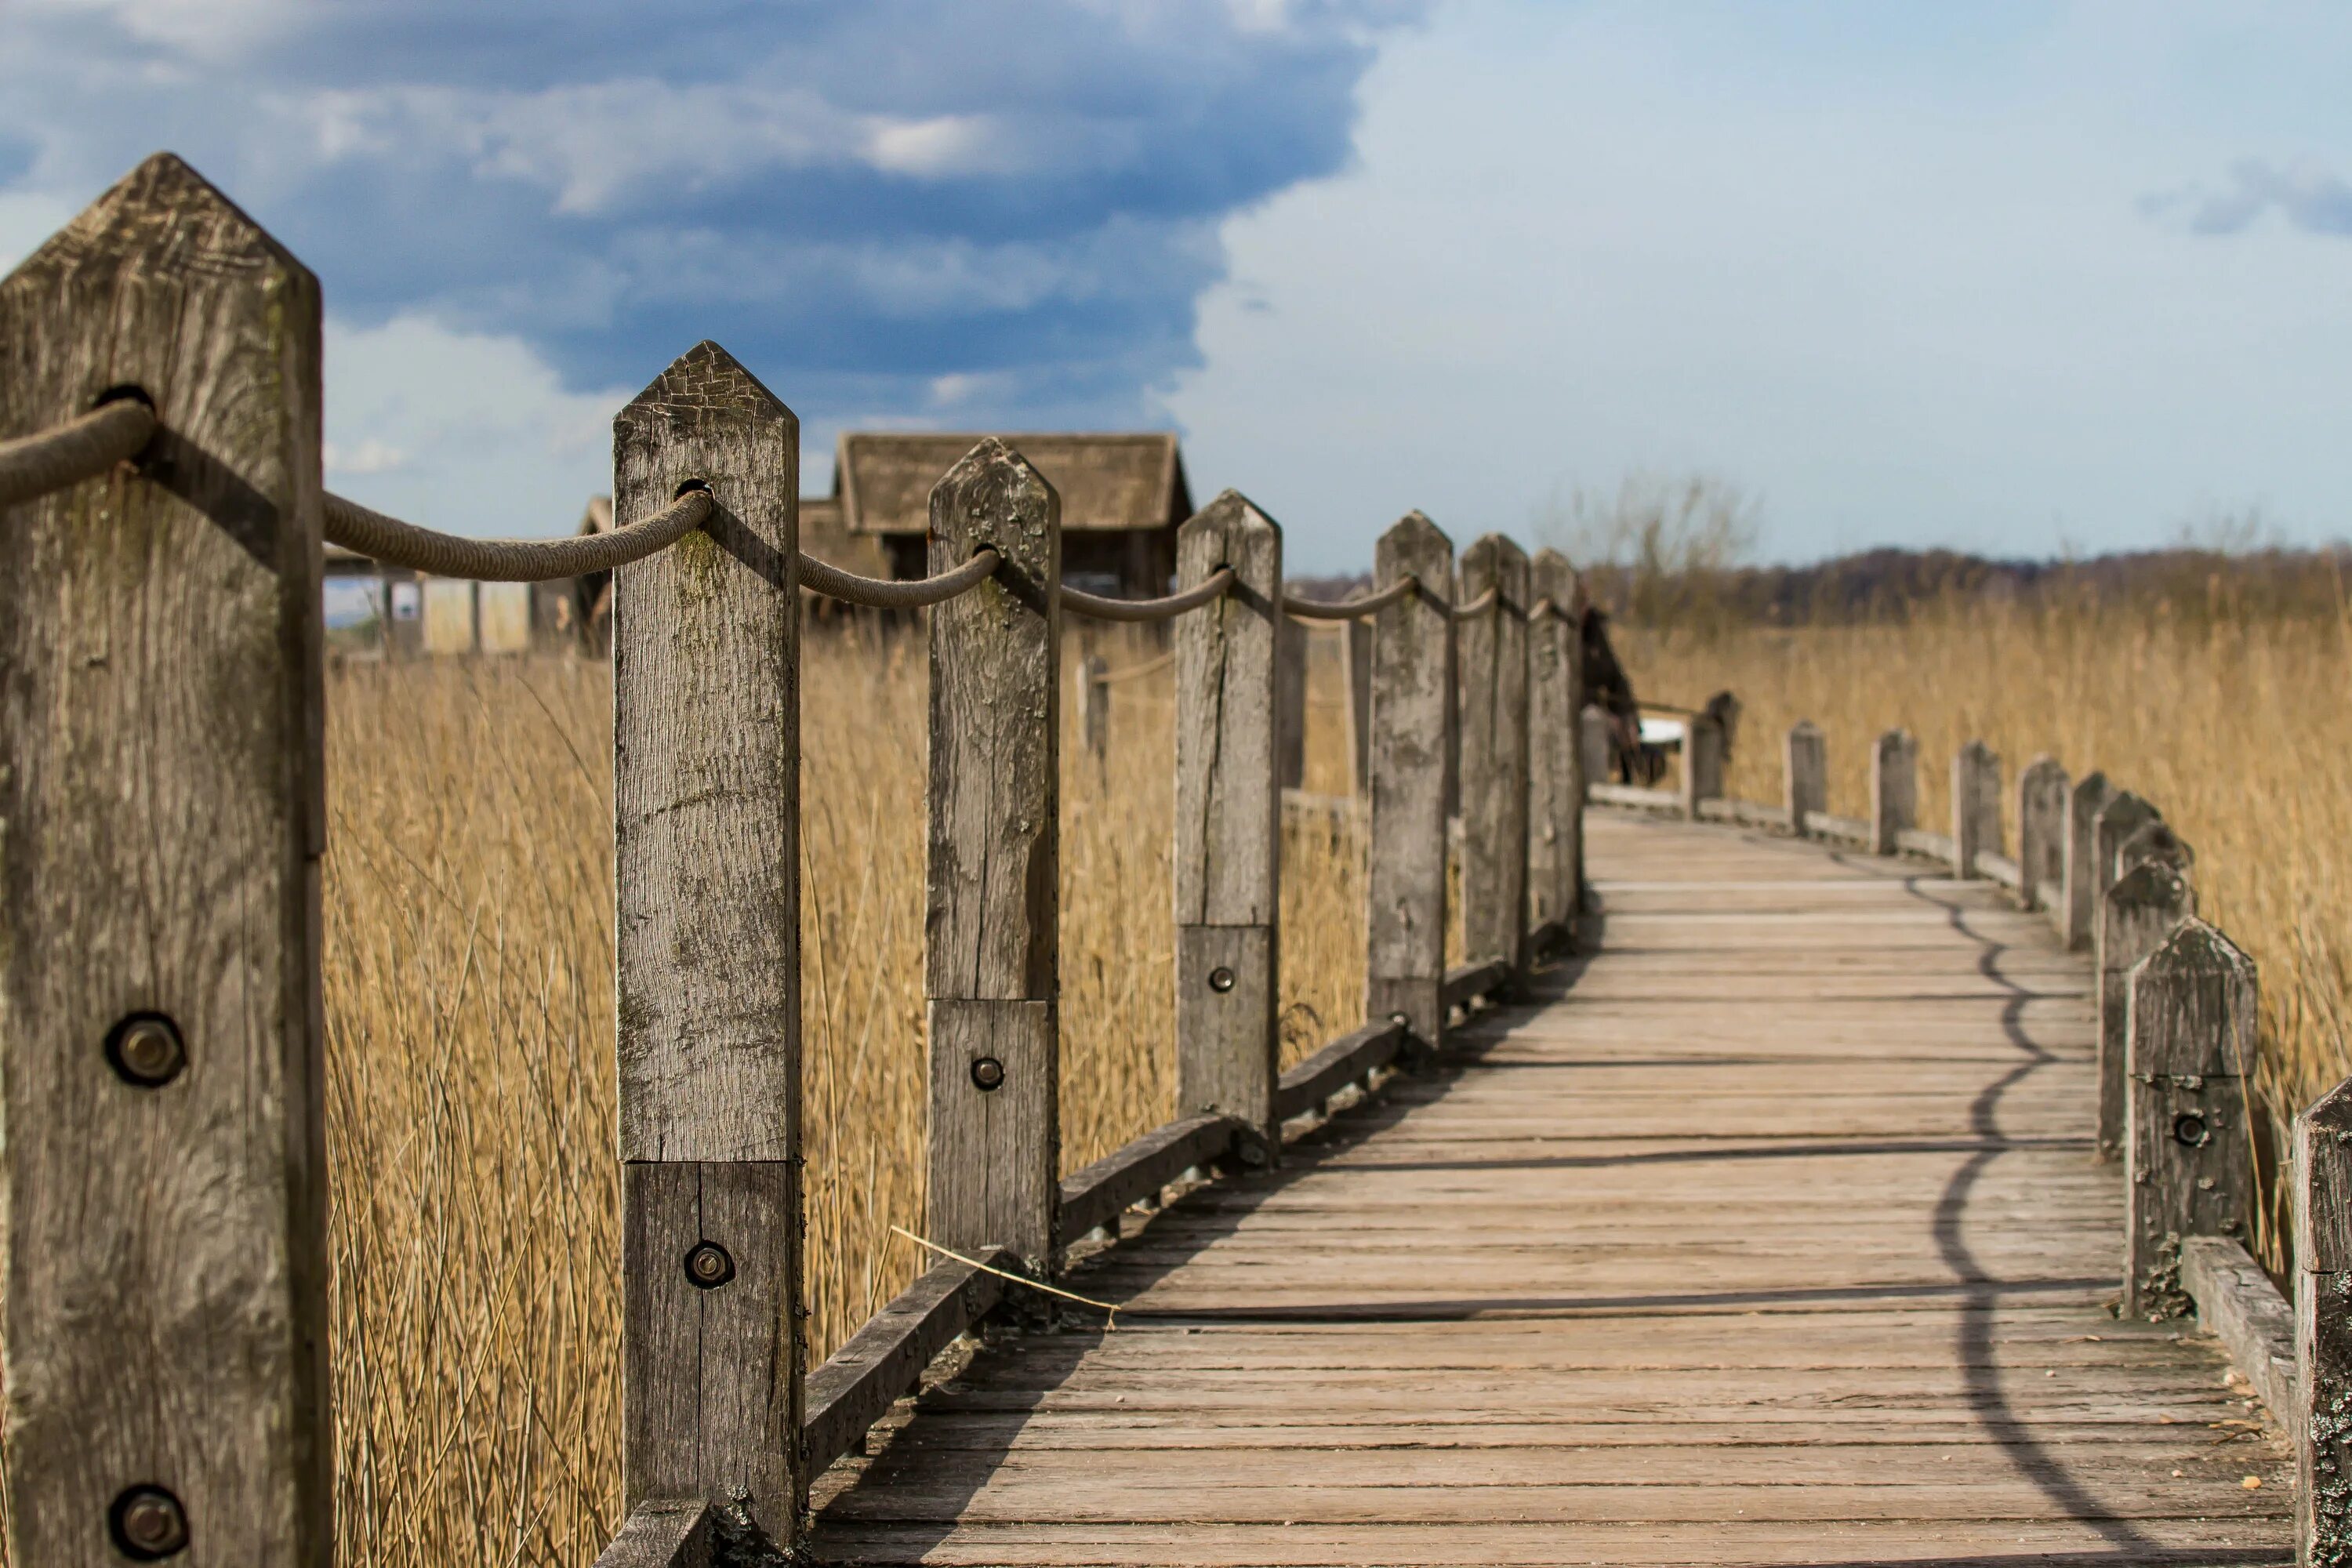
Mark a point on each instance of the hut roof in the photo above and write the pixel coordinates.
(1107, 482)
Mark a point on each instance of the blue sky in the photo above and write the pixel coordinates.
(2019, 278)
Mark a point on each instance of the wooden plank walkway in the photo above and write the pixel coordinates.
(1775, 1238)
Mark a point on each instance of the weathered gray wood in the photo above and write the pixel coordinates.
(706, 784)
(160, 823)
(713, 1349)
(1290, 702)
(1096, 1195)
(1412, 687)
(2079, 915)
(2135, 916)
(2236, 1304)
(1493, 650)
(2123, 815)
(1593, 742)
(884, 1359)
(1555, 758)
(1702, 756)
(1228, 817)
(1894, 790)
(2155, 841)
(993, 888)
(1349, 1060)
(1356, 643)
(1976, 807)
(2041, 794)
(2320, 1418)
(1094, 706)
(1805, 776)
(2190, 1167)
(1468, 983)
(662, 1532)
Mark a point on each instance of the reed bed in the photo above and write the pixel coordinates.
(2228, 722)
(469, 1009)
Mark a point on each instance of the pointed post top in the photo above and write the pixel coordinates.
(2322, 1175)
(1231, 509)
(2123, 811)
(1896, 741)
(2042, 767)
(2153, 886)
(994, 499)
(707, 386)
(1500, 548)
(2156, 842)
(1805, 728)
(2196, 948)
(1979, 752)
(170, 218)
(1415, 546)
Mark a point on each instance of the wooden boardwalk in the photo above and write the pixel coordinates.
(1770, 1233)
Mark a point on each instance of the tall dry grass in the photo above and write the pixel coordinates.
(2230, 723)
(470, 962)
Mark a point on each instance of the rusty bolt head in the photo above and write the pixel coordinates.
(149, 1523)
(987, 1074)
(146, 1049)
(1221, 979)
(707, 1266)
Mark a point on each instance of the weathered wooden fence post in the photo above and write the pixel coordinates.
(1806, 773)
(706, 790)
(1976, 807)
(1357, 644)
(1593, 743)
(2155, 841)
(1555, 753)
(1894, 790)
(1094, 706)
(1702, 761)
(1290, 701)
(162, 1125)
(2123, 815)
(1493, 650)
(2040, 833)
(1412, 684)
(2189, 1168)
(2079, 916)
(2321, 1180)
(2135, 916)
(1228, 819)
(991, 972)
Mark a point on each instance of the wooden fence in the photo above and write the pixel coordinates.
(164, 1092)
(2178, 1010)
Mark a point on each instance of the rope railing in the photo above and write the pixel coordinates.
(1349, 609)
(1479, 605)
(388, 541)
(81, 448)
(1218, 584)
(895, 593)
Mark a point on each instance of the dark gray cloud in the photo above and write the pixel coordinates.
(1020, 196)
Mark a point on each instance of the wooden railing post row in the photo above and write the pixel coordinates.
(1554, 750)
(1229, 821)
(1805, 775)
(2135, 916)
(160, 634)
(1412, 706)
(2321, 1425)
(2188, 1167)
(2123, 815)
(2041, 796)
(705, 791)
(992, 893)
(1976, 807)
(1702, 761)
(1493, 650)
(1894, 790)
(2078, 916)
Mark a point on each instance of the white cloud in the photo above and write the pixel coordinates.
(464, 431)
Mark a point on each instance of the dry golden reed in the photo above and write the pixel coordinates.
(468, 977)
(2230, 724)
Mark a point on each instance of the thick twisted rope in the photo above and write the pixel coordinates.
(80, 449)
(1349, 609)
(388, 541)
(890, 593)
(1479, 605)
(1216, 587)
